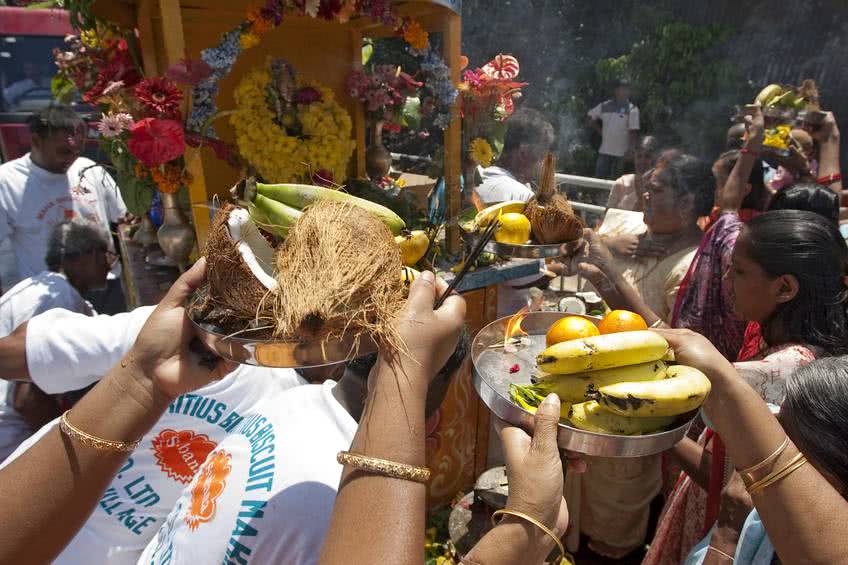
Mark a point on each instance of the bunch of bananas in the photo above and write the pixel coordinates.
(778, 96)
(616, 383)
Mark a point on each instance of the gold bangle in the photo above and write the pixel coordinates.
(535, 522)
(657, 324)
(384, 467)
(89, 440)
(793, 465)
(720, 552)
(748, 474)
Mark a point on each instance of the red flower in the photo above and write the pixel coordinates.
(159, 96)
(119, 68)
(322, 177)
(189, 71)
(307, 95)
(154, 142)
(391, 127)
(222, 150)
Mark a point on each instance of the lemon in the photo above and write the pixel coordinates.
(514, 229)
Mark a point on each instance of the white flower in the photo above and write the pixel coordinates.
(311, 7)
(112, 125)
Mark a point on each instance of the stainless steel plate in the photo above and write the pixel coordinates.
(283, 354)
(492, 378)
(527, 251)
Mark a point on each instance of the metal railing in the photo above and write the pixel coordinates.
(584, 209)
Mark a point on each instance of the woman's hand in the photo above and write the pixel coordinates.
(736, 504)
(696, 351)
(534, 468)
(429, 335)
(828, 131)
(161, 355)
(755, 126)
(593, 260)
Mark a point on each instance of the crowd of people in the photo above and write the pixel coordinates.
(147, 453)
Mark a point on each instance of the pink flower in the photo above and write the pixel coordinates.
(307, 95)
(113, 87)
(112, 124)
(189, 71)
(155, 142)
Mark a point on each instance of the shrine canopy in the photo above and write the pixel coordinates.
(318, 49)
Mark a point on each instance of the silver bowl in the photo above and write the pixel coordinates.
(492, 378)
(528, 250)
(283, 354)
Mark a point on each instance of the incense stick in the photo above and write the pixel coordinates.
(469, 261)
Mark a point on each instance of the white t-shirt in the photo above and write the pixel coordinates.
(618, 120)
(499, 186)
(66, 351)
(33, 201)
(265, 495)
(26, 299)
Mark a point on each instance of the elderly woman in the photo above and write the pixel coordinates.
(78, 260)
(612, 503)
(626, 193)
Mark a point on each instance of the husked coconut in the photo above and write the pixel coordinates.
(239, 274)
(552, 218)
(338, 275)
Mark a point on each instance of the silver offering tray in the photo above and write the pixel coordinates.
(282, 354)
(492, 378)
(526, 251)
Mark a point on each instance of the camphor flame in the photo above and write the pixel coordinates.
(513, 326)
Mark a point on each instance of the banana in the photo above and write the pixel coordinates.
(575, 388)
(272, 216)
(302, 195)
(591, 417)
(413, 246)
(485, 216)
(602, 352)
(766, 95)
(530, 401)
(684, 389)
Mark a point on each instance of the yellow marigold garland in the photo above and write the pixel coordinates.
(279, 157)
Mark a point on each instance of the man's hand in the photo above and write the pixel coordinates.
(641, 245)
(828, 131)
(161, 353)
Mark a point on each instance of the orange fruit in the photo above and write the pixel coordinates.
(570, 327)
(622, 321)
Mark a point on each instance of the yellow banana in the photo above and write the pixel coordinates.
(485, 216)
(575, 388)
(591, 417)
(407, 275)
(684, 389)
(602, 352)
(413, 246)
(767, 94)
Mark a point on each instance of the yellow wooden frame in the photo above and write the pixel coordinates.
(170, 30)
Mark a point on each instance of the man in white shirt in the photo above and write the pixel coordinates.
(61, 351)
(265, 495)
(52, 184)
(529, 137)
(617, 120)
(77, 262)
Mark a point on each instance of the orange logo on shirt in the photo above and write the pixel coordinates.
(180, 454)
(208, 487)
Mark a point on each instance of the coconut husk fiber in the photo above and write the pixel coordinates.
(232, 298)
(338, 275)
(551, 216)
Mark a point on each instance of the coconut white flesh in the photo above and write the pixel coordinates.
(254, 249)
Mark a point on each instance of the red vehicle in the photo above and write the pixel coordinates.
(27, 39)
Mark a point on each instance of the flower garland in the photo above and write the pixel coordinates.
(315, 142)
(259, 21)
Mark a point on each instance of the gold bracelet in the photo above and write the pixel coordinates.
(384, 467)
(657, 324)
(748, 474)
(536, 523)
(720, 552)
(794, 464)
(89, 440)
